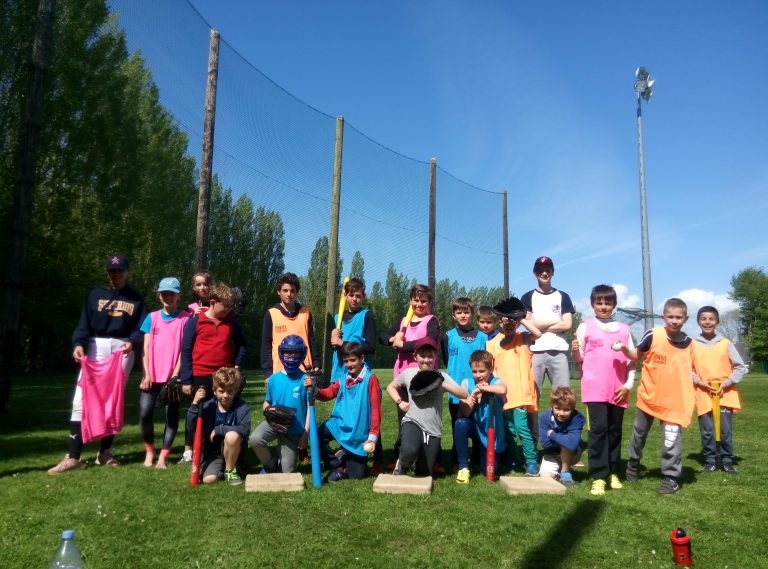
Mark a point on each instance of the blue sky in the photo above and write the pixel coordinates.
(535, 98)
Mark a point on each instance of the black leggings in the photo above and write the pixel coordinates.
(198, 381)
(147, 401)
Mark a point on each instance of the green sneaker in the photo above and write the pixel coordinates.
(232, 478)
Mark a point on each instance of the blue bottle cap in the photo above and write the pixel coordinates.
(68, 534)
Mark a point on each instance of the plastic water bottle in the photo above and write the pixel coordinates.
(67, 556)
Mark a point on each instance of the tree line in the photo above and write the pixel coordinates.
(115, 175)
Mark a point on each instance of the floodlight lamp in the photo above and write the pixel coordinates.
(641, 74)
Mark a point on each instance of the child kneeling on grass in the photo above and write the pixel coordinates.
(355, 420)
(560, 436)
(422, 425)
(286, 389)
(226, 424)
(476, 415)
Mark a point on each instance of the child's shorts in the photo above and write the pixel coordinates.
(551, 464)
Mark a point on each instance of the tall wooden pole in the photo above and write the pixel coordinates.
(505, 239)
(432, 222)
(333, 246)
(23, 197)
(206, 163)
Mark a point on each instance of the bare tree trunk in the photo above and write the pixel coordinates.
(23, 198)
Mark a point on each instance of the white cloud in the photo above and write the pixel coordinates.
(695, 298)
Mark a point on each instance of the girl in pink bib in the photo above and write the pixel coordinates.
(163, 330)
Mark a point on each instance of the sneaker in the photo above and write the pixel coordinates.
(668, 486)
(66, 465)
(709, 468)
(336, 476)
(186, 458)
(730, 469)
(377, 468)
(106, 459)
(531, 470)
(462, 477)
(566, 479)
(598, 488)
(232, 478)
(633, 472)
(614, 483)
(398, 470)
(438, 469)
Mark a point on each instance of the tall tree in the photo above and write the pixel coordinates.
(316, 280)
(750, 291)
(358, 266)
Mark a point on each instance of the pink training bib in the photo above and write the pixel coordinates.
(165, 344)
(603, 370)
(103, 385)
(412, 333)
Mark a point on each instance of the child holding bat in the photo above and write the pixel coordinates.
(512, 356)
(357, 326)
(355, 420)
(422, 423)
(402, 336)
(286, 389)
(226, 424)
(716, 359)
(479, 415)
(607, 376)
(560, 430)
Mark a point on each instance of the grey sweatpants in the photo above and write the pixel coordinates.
(671, 444)
(287, 448)
(708, 443)
(555, 365)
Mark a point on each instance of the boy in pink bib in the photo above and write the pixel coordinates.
(607, 376)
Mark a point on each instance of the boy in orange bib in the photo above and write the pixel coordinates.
(716, 359)
(665, 393)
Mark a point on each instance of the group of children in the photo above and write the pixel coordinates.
(494, 379)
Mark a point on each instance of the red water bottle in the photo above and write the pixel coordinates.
(681, 547)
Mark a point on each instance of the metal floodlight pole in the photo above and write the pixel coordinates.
(643, 90)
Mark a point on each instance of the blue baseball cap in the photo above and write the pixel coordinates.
(169, 284)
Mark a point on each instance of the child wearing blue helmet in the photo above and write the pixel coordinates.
(285, 389)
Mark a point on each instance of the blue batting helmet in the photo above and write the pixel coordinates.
(292, 351)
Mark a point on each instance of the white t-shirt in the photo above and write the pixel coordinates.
(549, 306)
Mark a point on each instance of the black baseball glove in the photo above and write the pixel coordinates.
(170, 393)
(279, 417)
(425, 381)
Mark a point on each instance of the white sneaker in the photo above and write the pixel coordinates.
(65, 465)
(186, 458)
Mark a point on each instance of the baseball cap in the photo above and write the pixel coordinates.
(117, 263)
(426, 341)
(169, 284)
(542, 261)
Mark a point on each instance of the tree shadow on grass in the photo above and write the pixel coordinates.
(564, 537)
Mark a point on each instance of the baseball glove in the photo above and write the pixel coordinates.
(425, 381)
(279, 417)
(170, 393)
(512, 307)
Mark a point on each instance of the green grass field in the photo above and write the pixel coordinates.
(136, 517)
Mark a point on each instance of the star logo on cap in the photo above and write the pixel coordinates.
(115, 260)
